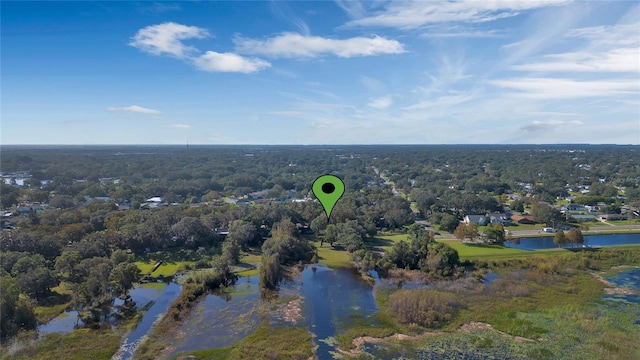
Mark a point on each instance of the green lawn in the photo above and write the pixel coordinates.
(465, 251)
(166, 269)
(517, 227)
(624, 222)
(469, 252)
(330, 257)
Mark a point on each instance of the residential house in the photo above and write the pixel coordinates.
(583, 217)
(499, 218)
(523, 219)
(606, 217)
(475, 219)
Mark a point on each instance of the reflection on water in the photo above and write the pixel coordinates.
(162, 299)
(223, 318)
(590, 240)
(332, 297)
(628, 279)
(63, 323)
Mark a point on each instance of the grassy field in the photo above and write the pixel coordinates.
(624, 222)
(340, 259)
(166, 269)
(80, 344)
(330, 257)
(468, 252)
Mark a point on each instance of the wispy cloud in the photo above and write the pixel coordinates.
(415, 14)
(283, 11)
(549, 125)
(166, 38)
(462, 33)
(158, 7)
(617, 60)
(294, 45)
(607, 49)
(381, 102)
(229, 62)
(294, 113)
(179, 126)
(552, 88)
(135, 109)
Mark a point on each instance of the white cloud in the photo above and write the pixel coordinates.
(550, 88)
(381, 102)
(166, 38)
(135, 109)
(415, 14)
(617, 60)
(179, 126)
(229, 62)
(294, 45)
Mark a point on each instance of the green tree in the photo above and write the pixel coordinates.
(546, 214)
(559, 238)
(122, 277)
(449, 223)
(65, 265)
(574, 236)
(16, 312)
(495, 233)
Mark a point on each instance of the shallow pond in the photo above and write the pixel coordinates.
(162, 297)
(590, 240)
(223, 318)
(63, 323)
(629, 279)
(332, 297)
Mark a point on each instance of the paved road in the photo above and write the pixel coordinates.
(387, 181)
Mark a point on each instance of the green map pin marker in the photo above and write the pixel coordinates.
(328, 189)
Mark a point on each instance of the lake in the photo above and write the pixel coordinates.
(538, 243)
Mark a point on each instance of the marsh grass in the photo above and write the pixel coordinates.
(265, 343)
(551, 300)
(80, 344)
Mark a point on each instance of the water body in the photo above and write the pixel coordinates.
(161, 298)
(63, 323)
(333, 296)
(223, 318)
(629, 279)
(590, 240)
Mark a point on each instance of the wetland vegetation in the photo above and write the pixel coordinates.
(251, 248)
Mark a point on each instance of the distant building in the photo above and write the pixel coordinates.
(523, 219)
(606, 217)
(475, 219)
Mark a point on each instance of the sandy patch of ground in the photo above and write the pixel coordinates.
(472, 326)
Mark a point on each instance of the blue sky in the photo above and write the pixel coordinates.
(303, 72)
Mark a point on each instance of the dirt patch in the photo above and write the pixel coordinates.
(472, 326)
(293, 311)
